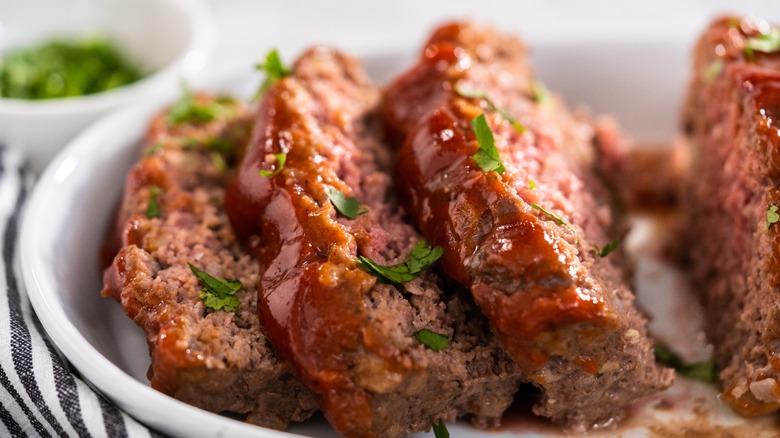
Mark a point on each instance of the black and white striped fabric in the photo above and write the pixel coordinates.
(39, 395)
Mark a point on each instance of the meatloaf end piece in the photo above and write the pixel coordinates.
(524, 241)
(732, 123)
(349, 337)
(171, 215)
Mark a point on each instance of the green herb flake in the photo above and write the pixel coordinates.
(421, 258)
(487, 157)
(531, 184)
(349, 207)
(704, 371)
(154, 149)
(432, 340)
(274, 70)
(765, 43)
(555, 217)
(218, 161)
(281, 158)
(608, 248)
(218, 294)
(187, 109)
(713, 71)
(539, 93)
(512, 121)
(153, 206)
(220, 145)
(771, 216)
(482, 94)
(440, 430)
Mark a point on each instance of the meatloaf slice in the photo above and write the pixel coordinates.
(348, 336)
(528, 242)
(171, 215)
(732, 243)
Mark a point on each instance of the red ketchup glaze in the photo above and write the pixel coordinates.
(762, 102)
(492, 243)
(311, 292)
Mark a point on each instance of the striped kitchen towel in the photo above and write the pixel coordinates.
(40, 396)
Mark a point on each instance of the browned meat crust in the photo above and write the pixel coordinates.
(731, 119)
(347, 336)
(523, 242)
(216, 360)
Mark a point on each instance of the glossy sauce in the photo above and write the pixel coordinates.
(492, 242)
(312, 291)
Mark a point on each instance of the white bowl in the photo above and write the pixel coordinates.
(168, 39)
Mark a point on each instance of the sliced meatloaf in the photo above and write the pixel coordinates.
(732, 238)
(357, 341)
(171, 216)
(527, 239)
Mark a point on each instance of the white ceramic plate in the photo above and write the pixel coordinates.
(70, 208)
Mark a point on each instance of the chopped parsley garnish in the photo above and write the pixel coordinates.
(705, 371)
(531, 184)
(440, 430)
(218, 161)
(713, 71)
(487, 157)
(766, 43)
(432, 340)
(65, 68)
(771, 216)
(349, 207)
(274, 70)
(482, 94)
(281, 158)
(421, 258)
(218, 293)
(608, 248)
(555, 217)
(539, 93)
(219, 145)
(188, 110)
(153, 207)
(154, 149)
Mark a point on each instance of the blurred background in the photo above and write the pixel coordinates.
(629, 59)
